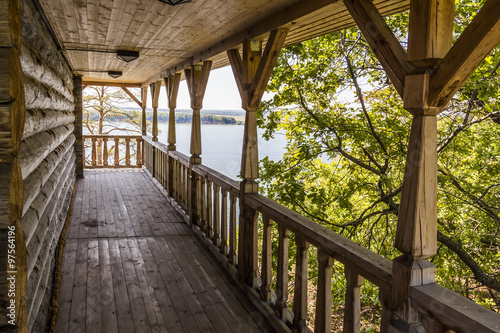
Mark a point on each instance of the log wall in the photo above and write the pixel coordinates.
(46, 157)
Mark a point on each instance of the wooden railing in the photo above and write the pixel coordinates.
(102, 147)
(212, 212)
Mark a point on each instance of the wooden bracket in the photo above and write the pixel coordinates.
(382, 40)
(253, 71)
(477, 40)
(197, 79)
(128, 92)
(172, 86)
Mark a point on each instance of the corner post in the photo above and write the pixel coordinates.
(12, 112)
(172, 87)
(197, 79)
(79, 150)
(430, 36)
(252, 72)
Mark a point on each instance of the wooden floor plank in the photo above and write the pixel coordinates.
(172, 321)
(139, 267)
(79, 292)
(67, 274)
(123, 310)
(93, 312)
(109, 321)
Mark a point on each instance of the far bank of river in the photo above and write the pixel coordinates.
(222, 144)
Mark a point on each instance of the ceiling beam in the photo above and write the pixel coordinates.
(110, 84)
(271, 22)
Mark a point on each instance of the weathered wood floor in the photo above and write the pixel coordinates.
(131, 264)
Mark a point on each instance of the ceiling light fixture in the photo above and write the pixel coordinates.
(115, 74)
(126, 55)
(175, 2)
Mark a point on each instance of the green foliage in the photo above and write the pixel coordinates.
(347, 134)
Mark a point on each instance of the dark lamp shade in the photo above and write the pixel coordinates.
(115, 74)
(127, 56)
(175, 2)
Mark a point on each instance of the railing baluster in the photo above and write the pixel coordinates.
(267, 259)
(232, 230)
(223, 227)
(117, 152)
(300, 294)
(216, 212)
(127, 151)
(200, 202)
(282, 278)
(210, 226)
(139, 153)
(94, 152)
(352, 313)
(323, 318)
(105, 151)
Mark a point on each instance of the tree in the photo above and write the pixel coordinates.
(347, 134)
(102, 115)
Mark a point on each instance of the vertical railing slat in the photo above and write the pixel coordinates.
(267, 257)
(216, 214)
(223, 227)
(105, 151)
(352, 313)
(208, 212)
(323, 318)
(117, 151)
(94, 152)
(300, 293)
(127, 151)
(232, 230)
(282, 278)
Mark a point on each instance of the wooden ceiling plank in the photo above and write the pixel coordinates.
(126, 20)
(110, 84)
(477, 40)
(114, 22)
(268, 23)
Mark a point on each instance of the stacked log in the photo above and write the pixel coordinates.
(46, 157)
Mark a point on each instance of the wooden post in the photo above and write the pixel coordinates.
(431, 28)
(252, 72)
(144, 96)
(155, 95)
(79, 147)
(139, 152)
(197, 79)
(94, 152)
(12, 113)
(172, 87)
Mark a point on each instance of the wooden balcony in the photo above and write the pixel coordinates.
(132, 264)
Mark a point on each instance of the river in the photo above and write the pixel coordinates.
(221, 145)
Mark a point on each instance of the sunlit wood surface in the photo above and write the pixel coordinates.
(131, 264)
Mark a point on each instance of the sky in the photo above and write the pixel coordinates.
(221, 94)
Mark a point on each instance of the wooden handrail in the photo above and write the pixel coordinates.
(216, 200)
(99, 151)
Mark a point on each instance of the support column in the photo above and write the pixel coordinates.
(172, 87)
(144, 98)
(197, 79)
(155, 94)
(252, 72)
(430, 36)
(79, 149)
